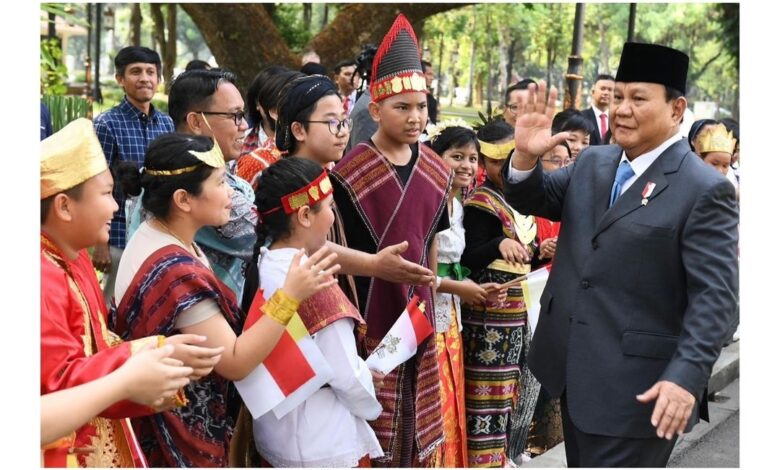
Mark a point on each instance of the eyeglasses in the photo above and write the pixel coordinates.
(238, 116)
(513, 108)
(334, 125)
(557, 161)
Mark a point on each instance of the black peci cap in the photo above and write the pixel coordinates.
(653, 64)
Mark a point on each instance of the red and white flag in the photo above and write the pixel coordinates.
(533, 286)
(400, 343)
(291, 373)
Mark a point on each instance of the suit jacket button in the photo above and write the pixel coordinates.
(585, 285)
(595, 245)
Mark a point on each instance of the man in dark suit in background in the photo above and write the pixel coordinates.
(644, 284)
(601, 97)
(433, 105)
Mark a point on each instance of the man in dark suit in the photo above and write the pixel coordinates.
(645, 278)
(601, 97)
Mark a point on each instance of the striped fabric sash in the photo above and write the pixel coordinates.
(392, 214)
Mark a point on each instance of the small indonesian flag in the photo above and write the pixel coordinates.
(291, 373)
(400, 343)
(533, 286)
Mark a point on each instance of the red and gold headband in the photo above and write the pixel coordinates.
(309, 195)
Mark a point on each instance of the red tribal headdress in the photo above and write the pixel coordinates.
(397, 68)
(308, 195)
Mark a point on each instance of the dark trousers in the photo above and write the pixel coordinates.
(591, 450)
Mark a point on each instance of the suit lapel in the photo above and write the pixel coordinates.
(668, 162)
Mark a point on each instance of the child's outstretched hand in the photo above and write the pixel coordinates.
(151, 376)
(311, 276)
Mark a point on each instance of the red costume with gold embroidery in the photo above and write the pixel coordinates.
(76, 347)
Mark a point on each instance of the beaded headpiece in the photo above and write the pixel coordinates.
(308, 195)
(397, 67)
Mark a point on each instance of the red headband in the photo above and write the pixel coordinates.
(309, 195)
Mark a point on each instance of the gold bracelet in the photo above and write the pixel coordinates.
(281, 307)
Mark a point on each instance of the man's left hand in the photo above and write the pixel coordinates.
(673, 408)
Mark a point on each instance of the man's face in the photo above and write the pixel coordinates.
(517, 99)
(402, 117)
(344, 79)
(642, 118)
(228, 135)
(602, 93)
(429, 76)
(139, 81)
(556, 158)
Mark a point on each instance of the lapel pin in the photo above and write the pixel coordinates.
(649, 187)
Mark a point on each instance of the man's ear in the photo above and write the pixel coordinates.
(181, 200)
(678, 109)
(303, 216)
(194, 123)
(120, 80)
(373, 110)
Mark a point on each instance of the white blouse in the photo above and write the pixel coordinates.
(452, 242)
(330, 428)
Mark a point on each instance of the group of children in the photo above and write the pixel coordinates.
(175, 341)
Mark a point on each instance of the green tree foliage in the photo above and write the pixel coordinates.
(536, 40)
(54, 74)
(289, 18)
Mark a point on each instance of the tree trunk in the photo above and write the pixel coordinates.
(510, 62)
(307, 16)
(473, 60)
(631, 22)
(135, 24)
(604, 46)
(324, 16)
(167, 42)
(573, 93)
(170, 53)
(438, 75)
(360, 23)
(244, 38)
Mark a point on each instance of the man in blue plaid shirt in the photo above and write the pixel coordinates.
(124, 132)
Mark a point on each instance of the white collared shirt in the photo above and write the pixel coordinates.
(641, 163)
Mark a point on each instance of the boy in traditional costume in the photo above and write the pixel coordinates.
(499, 244)
(76, 346)
(388, 190)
